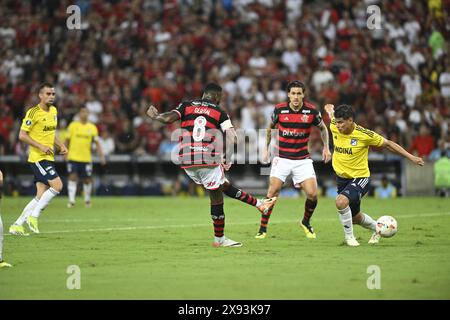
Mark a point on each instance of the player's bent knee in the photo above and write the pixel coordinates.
(342, 202)
(56, 184)
(312, 196)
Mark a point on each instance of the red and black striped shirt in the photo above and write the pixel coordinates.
(201, 141)
(294, 128)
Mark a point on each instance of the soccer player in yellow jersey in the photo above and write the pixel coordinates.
(3, 264)
(81, 134)
(351, 165)
(38, 130)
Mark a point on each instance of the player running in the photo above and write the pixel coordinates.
(351, 165)
(38, 130)
(81, 134)
(294, 120)
(3, 264)
(203, 122)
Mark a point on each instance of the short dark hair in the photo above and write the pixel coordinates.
(295, 84)
(344, 111)
(45, 85)
(212, 88)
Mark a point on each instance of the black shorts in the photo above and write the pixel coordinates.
(82, 169)
(354, 190)
(44, 171)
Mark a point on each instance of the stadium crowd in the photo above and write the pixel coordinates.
(129, 54)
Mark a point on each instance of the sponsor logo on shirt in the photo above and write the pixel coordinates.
(289, 133)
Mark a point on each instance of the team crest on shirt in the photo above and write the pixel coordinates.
(353, 142)
(305, 118)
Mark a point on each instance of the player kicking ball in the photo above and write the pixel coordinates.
(351, 165)
(200, 155)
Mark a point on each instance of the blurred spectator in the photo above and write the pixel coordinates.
(436, 41)
(322, 76)
(127, 140)
(291, 58)
(2, 145)
(444, 82)
(6, 127)
(423, 143)
(386, 189)
(276, 94)
(167, 146)
(443, 149)
(411, 86)
(107, 142)
(442, 176)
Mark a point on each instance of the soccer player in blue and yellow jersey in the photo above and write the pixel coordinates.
(81, 134)
(38, 130)
(351, 165)
(3, 264)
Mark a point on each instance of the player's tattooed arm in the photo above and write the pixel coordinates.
(397, 149)
(166, 117)
(266, 154)
(326, 154)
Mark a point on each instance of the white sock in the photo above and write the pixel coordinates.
(87, 188)
(44, 201)
(368, 223)
(258, 202)
(72, 190)
(219, 239)
(26, 212)
(345, 216)
(1, 239)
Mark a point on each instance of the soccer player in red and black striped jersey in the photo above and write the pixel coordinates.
(294, 120)
(201, 154)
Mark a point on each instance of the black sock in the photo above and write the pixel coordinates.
(241, 195)
(218, 217)
(310, 205)
(265, 221)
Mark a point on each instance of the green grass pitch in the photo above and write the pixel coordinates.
(160, 248)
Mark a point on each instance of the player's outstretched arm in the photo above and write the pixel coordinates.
(166, 117)
(397, 149)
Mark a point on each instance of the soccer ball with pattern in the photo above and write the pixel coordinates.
(386, 226)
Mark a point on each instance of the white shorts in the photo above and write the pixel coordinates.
(210, 177)
(300, 169)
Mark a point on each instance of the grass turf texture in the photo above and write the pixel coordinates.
(160, 248)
